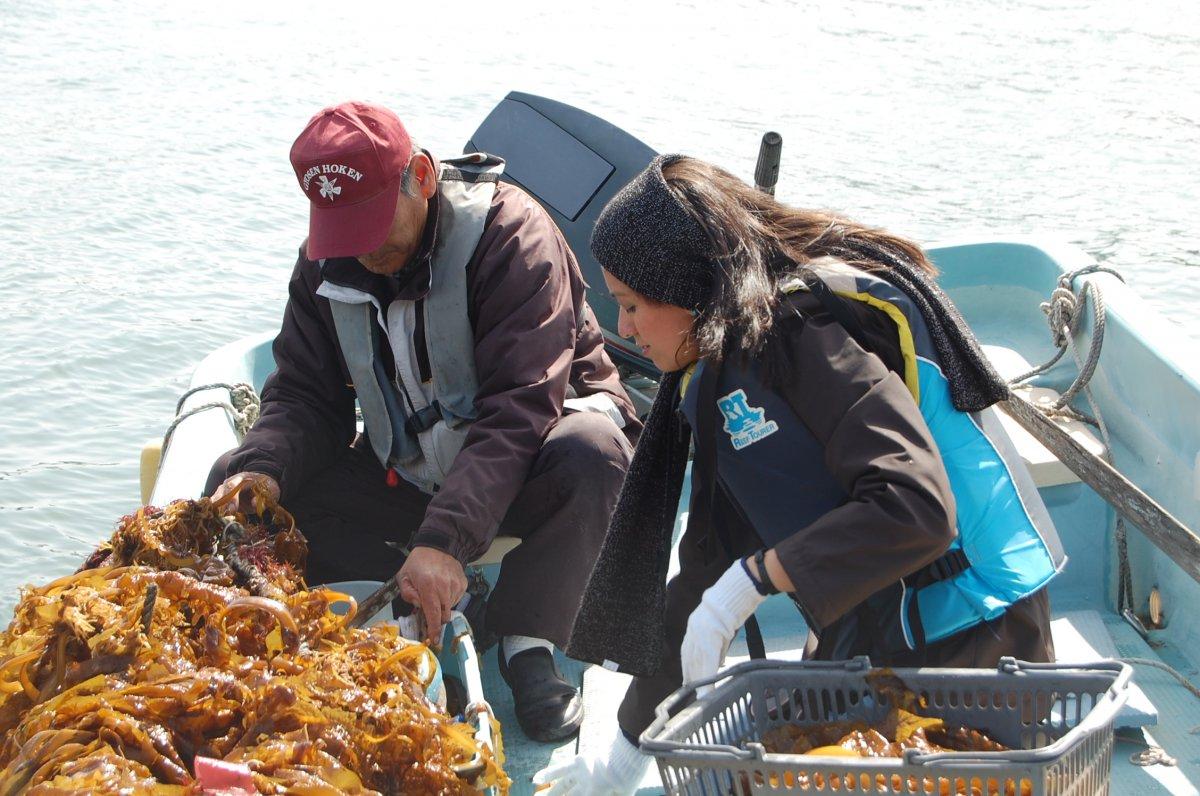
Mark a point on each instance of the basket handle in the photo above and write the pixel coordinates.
(1102, 713)
(1010, 665)
(665, 711)
(669, 707)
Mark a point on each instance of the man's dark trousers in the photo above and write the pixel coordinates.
(355, 523)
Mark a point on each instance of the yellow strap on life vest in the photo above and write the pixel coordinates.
(686, 380)
(908, 349)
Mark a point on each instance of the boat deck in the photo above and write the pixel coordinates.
(1178, 720)
(1175, 731)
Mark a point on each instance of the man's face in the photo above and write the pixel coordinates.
(408, 225)
(402, 240)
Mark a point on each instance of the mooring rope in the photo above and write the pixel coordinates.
(243, 408)
(1183, 681)
(1064, 315)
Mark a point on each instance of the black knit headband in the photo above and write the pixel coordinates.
(645, 238)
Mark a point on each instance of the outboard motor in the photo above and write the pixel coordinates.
(572, 162)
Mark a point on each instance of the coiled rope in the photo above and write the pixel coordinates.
(1064, 315)
(243, 408)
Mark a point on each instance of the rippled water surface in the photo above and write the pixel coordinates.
(148, 213)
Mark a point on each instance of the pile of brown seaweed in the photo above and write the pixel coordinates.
(191, 636)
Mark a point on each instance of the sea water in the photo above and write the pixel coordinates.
(148, 212)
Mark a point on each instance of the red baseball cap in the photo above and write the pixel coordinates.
(349, 161)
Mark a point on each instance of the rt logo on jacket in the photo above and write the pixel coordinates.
(745, 424)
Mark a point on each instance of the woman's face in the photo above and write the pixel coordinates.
(663, 331)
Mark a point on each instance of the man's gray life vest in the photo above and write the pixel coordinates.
(413, 428)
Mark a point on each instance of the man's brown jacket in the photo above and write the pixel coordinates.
(536, 342)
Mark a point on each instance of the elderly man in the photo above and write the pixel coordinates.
(450, 306)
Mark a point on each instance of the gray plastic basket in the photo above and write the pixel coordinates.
(1056, 718)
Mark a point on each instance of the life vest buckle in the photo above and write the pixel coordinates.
(951, 563)
(423, 419)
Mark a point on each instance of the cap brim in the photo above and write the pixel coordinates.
(351, 230)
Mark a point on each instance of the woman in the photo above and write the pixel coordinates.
(845, 453)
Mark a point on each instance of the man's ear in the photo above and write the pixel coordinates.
(424, 175)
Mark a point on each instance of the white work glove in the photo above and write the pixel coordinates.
(725, 606)
(617, 774)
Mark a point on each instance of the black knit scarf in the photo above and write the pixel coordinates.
(974, 383)
(620, 622)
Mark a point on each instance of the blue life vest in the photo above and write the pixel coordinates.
(773, 468)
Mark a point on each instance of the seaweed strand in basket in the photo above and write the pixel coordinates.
(903, 728)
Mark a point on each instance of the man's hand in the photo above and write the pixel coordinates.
(434, 582)
(237, 485)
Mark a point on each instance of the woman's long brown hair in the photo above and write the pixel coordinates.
(760, 243)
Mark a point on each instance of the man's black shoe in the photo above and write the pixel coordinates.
(548, 707)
